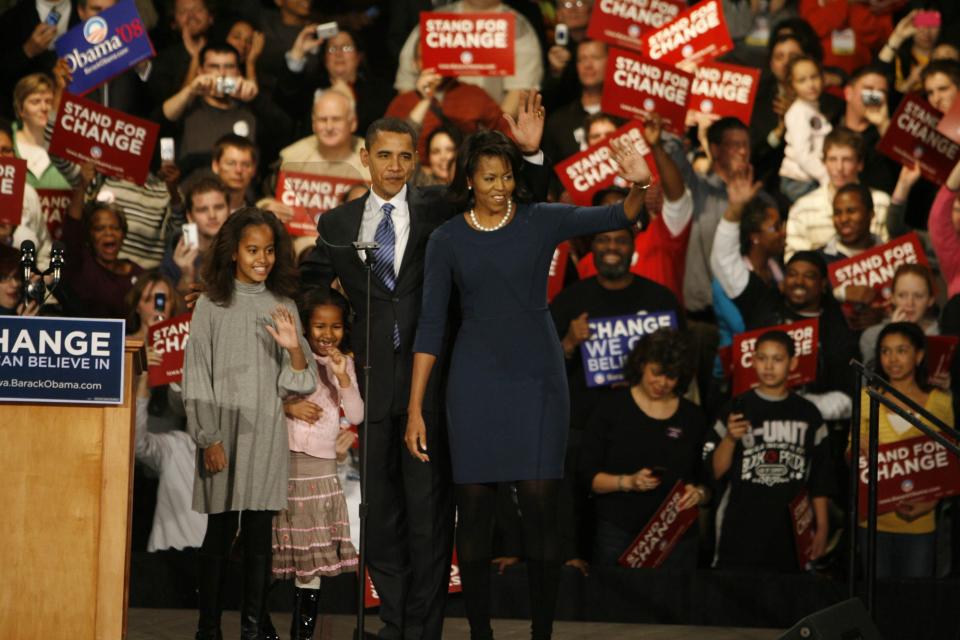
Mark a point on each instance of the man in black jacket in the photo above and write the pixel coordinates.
(410, 506)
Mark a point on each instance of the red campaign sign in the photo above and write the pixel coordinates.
(940, 352)
(13, 178)
(120, 145)
(950, 122)
(169, 338)
(53, 207)
(913, 138)
(623, 22)
(661, 533)
(699, 33)
(635, 87)
(558, 269)
(372, 599)
(875, 267)
(805, 334)
(914, 469)
(804, 527)
(309, 195)
(724, 90)
(594, 169)
(468, 44)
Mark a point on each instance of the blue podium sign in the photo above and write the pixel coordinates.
(104, 46)
(62, 360)
(611, 340)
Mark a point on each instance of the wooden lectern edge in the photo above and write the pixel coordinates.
(117, 490)
(136, 346)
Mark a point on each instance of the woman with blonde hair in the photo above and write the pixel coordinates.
(33, 106)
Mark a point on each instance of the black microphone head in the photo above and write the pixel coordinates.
(27, 246)
(57, 247)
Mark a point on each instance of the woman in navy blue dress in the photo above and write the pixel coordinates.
(507, 403)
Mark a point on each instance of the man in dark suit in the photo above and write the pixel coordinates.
(410, 505)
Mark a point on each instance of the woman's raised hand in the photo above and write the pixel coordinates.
(527, 129)
(285, 332)
(633, 168)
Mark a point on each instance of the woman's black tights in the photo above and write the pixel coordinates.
(538, 513)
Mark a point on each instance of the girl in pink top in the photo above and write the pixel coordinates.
(311, 537)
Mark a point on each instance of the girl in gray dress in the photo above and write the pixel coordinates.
(246, 352)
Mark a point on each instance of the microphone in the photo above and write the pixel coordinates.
(28, 259)
(57, 261)
(364, 246)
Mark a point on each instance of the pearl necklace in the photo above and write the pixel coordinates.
(496, 227)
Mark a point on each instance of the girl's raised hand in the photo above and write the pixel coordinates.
(338, 362)
(285, 332)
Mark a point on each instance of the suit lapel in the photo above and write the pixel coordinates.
(415, 207)
(351, 228)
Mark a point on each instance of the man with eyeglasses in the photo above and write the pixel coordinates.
(332, 150)
(211, 106)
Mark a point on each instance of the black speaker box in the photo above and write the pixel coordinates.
(847, 620)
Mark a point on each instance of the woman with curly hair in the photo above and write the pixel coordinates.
(639, 443)
(247, 352)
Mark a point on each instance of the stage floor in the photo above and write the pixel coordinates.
(177, 624)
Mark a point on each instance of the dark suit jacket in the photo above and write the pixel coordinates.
(390, 374)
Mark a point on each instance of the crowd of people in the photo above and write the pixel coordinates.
(484, 426)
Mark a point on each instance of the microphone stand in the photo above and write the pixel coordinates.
(368, 248)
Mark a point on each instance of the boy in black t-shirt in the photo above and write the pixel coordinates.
(767, 447)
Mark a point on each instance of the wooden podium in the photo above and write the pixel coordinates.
(66, 474)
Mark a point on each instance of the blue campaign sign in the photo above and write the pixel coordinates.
(63, 360)
(611, 340)
(104, 46)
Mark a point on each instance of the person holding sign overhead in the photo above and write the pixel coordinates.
(507, 399)
(505, 90)
(639, 443)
